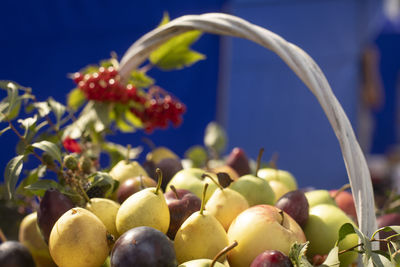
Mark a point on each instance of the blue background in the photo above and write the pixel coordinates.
(246, 88)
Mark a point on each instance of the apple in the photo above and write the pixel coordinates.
(344, 200)
(133, 185)
(271, 258)
(191, 179)
(181, 204)
(261, 228)
(322, 229)
(316, 197)
(255, 190)
(285, 177)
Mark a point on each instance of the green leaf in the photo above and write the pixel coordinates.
(75, 99)
(176, 52)
(215, 138)
(43, 108)
(11, 174)
(50, 148)
(104, 181)
(32, 177)
(140, 80)
(333, 258)
(14, 102)
(103, 112)
(4, 130)
(133, 119)
(40, 187)
(297, 255)
(58, 109)
(198, 156)
(346, 230)
(6, 84)
(28, 123)
(118, 152)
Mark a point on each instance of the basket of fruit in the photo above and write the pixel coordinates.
(209, 215)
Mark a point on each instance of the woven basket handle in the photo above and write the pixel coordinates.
(305, 68)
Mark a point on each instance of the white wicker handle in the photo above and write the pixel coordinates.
(305, 68)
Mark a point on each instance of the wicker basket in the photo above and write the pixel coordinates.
(305, 68)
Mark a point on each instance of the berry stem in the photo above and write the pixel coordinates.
(85, 196)
(174, 190)
(159, 176)
(223, 252)
(203, 199)
(204, 175)
(260, 153)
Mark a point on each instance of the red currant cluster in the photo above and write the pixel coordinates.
(159, 112)
(158, 107)
(104, 86)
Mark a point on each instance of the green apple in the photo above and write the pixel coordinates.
(285, 177)
(316, 197)
(255, 190)
(322, 229)
(260, 228)
(191, 179)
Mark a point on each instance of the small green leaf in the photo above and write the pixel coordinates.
(4, 130)
(133, 119)
(345, 230)
(58, 109)
(50, 148)
(14, 102)
(43, 108)
(176, 53)
(118, 152)
(215, 137)
(6, 84)
(104, 181)
(11, 174)
(140, 80)
(39, 188)
(198, 156)
(333, 258)
(76, 98)
(297, 255)
(103, 112)
(28, 123)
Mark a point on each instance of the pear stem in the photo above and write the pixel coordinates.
(159, 175)
(203, 199)
(344, 187)
(3, 238)
(204, 175)
(128, 151)
(174, 190)
(142, 185)
(260, 153)
(273, 161)
(223, 252)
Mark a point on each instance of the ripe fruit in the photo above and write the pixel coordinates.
(344, 200)
(169, 167)
(106, 210)
(255, 190)
(134, 185)
(144, 208)
(260, 228)
(181, 204)
(322, 229)
(52, 206)
(295, 204)
(124, 170)
(271, 258)
(238, 161)
(387, 220)
(143, 246)
(79, 238)
(279, 189)
(201, 236)
(285, 177)
(316, 197)
(30, 236)
(14, 254)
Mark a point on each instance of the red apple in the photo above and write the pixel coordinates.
(344, 200)
(133, 185)
(181, 203)
(271, 258)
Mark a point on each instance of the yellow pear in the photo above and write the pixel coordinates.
(144, 208)
(273, 174)
(225, 204)
(279, 189)
(106, 210)
(160, 153)
(126, 169)
(79, 239)
(30, 236)
(201, 236)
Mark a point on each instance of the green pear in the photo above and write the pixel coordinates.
(201, 236)
(322, 229)
(316, 197)
(160, 153)
(125, 169)
(192, 179)
(200, 263)
(225, 204)
(273, 174)
(254, 189)
(80, 239)
(144, 208)
(106, 210)
(279, 189)
(29, 235)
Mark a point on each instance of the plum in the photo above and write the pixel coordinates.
(14, 254)
(296, 205)
(271, 258)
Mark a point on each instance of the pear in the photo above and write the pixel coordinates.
(160, 153)
(316, 197)
(201, 236)
(225, 204)
(79, 239)
(30, 236)
(144, 208)
(200, 263)
(125, 169)
(255, 190)
(273, 174)
(106, 210)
